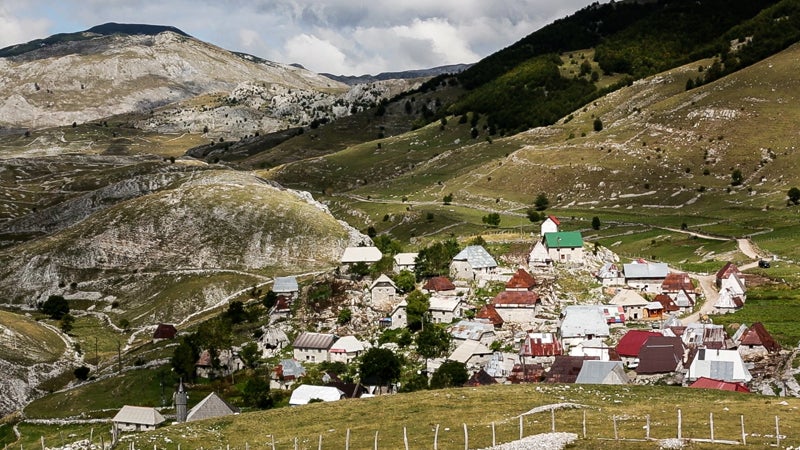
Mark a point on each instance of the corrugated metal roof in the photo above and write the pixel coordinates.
(347, 344)
(467, 350)
(477, 257)
(361, 254)
(758, 335)
(632, 342)
(582, 320)
(313, 340)
(564, 239)
(628, 297)
(291, 368)
(526, 299)
(646, 270)
(138, 415)
(490, 313)
(447, 304)
(467, 329)
(439, 284)
(660, 354)
(602, 372)
(677, 281)
(405, 259)
(284, 284)
(708, 383)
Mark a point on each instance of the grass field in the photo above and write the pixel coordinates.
(775, 307)
(39, 343)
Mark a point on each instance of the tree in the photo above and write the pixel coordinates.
(736, 177)
(256, 393)
(405, 281)
(269, 300)
(435, 259)
(55, 306)
(447, 199)
(345, 315)
(250, 354)
(491, 219)
(371, 232)
(533, 215)
(379, 366)
(794, 195)
(541, 203)
(183, 358)
(449, 374)
(595, 223)
(236, 313)
(67, 321)
(433, 341)
(598, 124)
(586, 67)
(417, 305)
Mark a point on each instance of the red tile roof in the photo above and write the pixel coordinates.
(668, 304)
(677, 281)
(758, 335)
(539, 347)
(555, 220)
(632, 342)
(508, 298)
(489, 312)
(726, 270)
(521, 280)
(439, 284)
(709, 383)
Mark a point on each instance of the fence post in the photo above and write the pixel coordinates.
(777, 431)
(376, 440)
(711, 424)
(405, 438)
(319, 445)
(347, 441)
(436, 438)
(273, 441)
(744, 436)
(553, 420)
(679, 423)
(584, 424)
(647, 428)
(616, 435)
(295, 443)
(520, 427)
(494, 441)
(466, 438)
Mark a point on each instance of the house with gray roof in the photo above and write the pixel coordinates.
(312, 347)
(481, 330)
(346, 349)
(472, 353)
(445, 309)
(471, 262)
(286, 373)
(286, 286)
(383, 290)
(725, 365)
(209, 407)
(645, 276)
(405, 261)
(602, 372)
(580, 323)
(136, 418)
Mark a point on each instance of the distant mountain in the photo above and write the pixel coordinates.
(421, 73)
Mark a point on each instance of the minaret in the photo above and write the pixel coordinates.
(180, 403)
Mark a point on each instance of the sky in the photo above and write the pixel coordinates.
(342, 37)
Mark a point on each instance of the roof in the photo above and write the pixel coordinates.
(313, 340)
(708, 335)
(489, 312)
(306, 392)
(347, 344)
(515, 298)
(284, 284)
(477, 257)
(540, 344)
(211, 406)
(565, 369)
(582, 320)
(469, 329)
(439, 284)
(709, 383)
(554, 219)
(758, 335)
(734, 283)
(521, 280)
(666, 303)
(628, 297)
(383, 279)
(677, 281)
(447, 304)
(727, 269)
(467, 350)
(602, 372)
(728, 299)
(726, 365)
(660, 354)
(646, 270)
(361, 254)
(632, 342)
(138, 415)
(165, 331)
(608, 270)
(405, 259)
(563, 239)
(290, 369)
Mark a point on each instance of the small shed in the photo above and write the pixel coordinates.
(137, 418)
(286, 286)
(164, 331)
(405, 261)
(471, 262)
(383, 290)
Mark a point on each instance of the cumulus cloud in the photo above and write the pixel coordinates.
(337, 36)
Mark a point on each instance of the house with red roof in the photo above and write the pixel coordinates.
(489, 312)
(667, 303)
(164, 331)
(676, 283)
(631, 343)
(726, 271)
(660, 355)
(549, 225)
(516, 306)
(540, 344)
(521, 281)
(439, 285)
(757, 342)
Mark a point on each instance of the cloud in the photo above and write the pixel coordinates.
(316, 54)
(16, 30)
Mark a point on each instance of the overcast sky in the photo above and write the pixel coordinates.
(349, 37)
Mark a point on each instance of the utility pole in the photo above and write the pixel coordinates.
(119, 358)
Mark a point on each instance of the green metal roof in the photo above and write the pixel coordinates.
(563, 239)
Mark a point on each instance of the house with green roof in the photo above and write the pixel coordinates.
(564, 246)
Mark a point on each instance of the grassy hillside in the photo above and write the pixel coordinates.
(40, 344)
